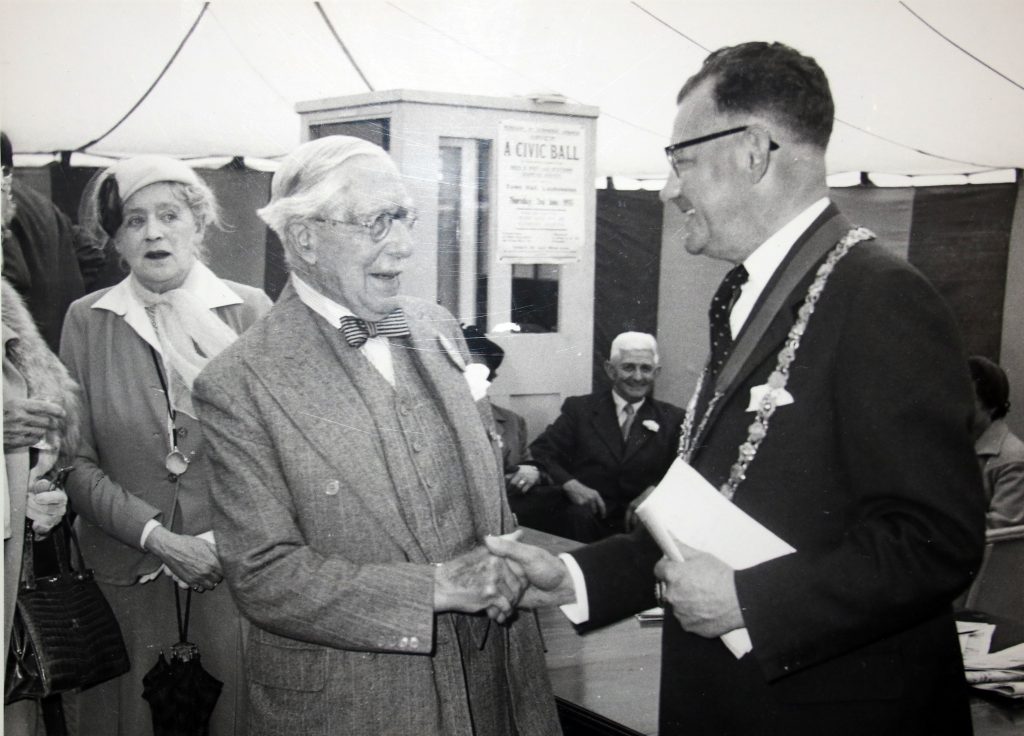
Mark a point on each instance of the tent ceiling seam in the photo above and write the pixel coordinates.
(837, 119)
(344, 48)
(167, 66)
(960, 48)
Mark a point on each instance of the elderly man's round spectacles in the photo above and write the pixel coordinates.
(379, 227)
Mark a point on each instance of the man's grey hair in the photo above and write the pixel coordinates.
(633, 341)
(303, 186)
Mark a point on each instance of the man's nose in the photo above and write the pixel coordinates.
(672, 190)
(400, 242)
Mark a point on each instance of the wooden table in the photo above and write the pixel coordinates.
(607, 681)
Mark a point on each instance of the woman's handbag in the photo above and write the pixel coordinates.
(65, 636)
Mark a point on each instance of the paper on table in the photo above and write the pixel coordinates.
(686, 507)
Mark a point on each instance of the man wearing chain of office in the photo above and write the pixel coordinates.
(833, 410)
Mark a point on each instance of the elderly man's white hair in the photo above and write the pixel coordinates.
(633, 341)
(302, 186)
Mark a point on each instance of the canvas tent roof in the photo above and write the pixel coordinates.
(921, 86)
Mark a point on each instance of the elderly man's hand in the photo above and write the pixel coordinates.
(548, 577)
(702, 593)
(477, 581)
(583, 495)
(26, 421)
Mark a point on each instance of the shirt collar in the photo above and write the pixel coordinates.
(991, 440)
(761, 264)
(201, 282)
(621, 402)
(327, 308)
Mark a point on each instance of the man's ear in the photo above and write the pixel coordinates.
(759, 143)
(302, 241)
(609, 370)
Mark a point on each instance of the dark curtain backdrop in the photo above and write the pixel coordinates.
(626, 269)
(960, 240)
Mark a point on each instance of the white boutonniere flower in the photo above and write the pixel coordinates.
(651, 425)
(777, 396)
(476, 376)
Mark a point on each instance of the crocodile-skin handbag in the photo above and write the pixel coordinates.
(65, 636)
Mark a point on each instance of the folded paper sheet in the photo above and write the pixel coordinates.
(687, 508)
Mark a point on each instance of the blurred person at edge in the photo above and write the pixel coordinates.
(47, 259)
(41, 415)
(141, 485)
(354, 483)
(1000, 452)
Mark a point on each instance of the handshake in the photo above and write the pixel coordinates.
(499, 576)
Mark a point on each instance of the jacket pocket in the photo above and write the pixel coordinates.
(287, 664)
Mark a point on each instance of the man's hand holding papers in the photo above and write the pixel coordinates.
(686, 514)
(701, 591)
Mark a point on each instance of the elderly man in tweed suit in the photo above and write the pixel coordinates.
(355, 482)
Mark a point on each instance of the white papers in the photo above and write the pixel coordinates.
(1001, 672)
(686, 507)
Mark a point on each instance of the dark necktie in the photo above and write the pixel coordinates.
(718, 316)
(357, 331)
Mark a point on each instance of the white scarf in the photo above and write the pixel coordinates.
(190, 336)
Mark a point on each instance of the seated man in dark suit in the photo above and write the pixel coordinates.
(604, 450)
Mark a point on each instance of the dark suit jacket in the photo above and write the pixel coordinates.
(511, 428)
(585, 443)
(869, 475)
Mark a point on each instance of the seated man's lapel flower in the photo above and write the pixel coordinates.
(651, 425)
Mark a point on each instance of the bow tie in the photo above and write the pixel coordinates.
(357, 331)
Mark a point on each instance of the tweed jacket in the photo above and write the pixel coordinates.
(869, 473)
(315, 545)
(120, 481)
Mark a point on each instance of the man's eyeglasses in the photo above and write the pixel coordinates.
(379, 226)
(670, 151)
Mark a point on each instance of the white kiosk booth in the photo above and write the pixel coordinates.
(504, 189)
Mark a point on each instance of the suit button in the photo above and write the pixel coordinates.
(417, 446)
(414, 642)
(403, 642)
(331, 487)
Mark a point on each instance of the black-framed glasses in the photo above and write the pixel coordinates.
(379, 226)
(670, 151)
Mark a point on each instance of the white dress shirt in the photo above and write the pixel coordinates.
(760, 265)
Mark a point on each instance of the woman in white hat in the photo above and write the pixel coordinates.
(140, 484)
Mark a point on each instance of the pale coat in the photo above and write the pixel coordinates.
(120, 482)
(315, 546)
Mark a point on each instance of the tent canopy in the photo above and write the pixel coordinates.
(921, 86)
